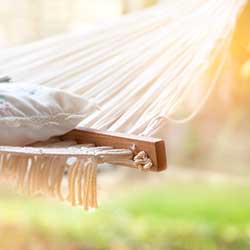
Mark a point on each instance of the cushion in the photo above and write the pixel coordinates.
(30, 113)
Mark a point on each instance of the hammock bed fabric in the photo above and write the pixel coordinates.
(138, 69)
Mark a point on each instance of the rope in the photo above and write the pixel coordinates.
(138, 69)
(40, 169)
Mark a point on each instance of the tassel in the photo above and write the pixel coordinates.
(82, 183)
(45, 169)
(44, 175)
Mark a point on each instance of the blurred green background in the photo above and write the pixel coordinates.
(201, 203)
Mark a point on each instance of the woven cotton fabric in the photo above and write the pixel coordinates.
(30, 113)
(144, 69)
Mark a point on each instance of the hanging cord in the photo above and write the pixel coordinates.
(40, 169)
(213, 83)
(153, 57)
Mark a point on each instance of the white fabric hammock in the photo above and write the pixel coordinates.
(139, 68)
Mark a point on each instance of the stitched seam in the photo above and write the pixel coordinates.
(10, 118)
(40, 120)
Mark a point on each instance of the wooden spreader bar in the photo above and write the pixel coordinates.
(155, 148)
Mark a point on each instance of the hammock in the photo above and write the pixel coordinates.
(139, 69)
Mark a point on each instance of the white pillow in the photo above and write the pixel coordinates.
(30, 113)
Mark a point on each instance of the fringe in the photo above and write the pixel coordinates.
(44, 175)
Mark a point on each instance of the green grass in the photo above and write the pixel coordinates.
(175, 217)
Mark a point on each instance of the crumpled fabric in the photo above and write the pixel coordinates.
(30, 113)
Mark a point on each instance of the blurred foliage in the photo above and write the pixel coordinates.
(241, 57)
(175, 217)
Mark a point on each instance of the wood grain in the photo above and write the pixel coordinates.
(155, 148)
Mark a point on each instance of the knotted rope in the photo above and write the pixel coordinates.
(49, 169)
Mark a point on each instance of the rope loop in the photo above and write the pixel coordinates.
(142, 161)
